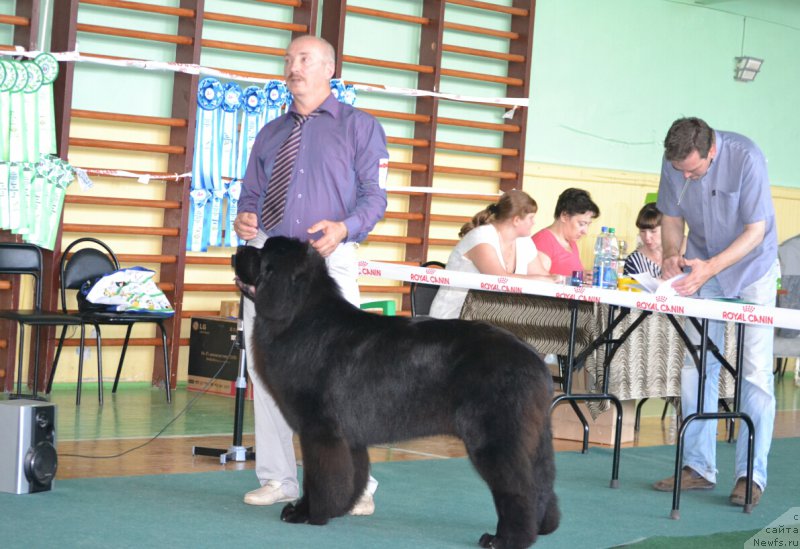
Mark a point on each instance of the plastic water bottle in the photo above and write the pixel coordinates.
(613, 255)
(600, 245)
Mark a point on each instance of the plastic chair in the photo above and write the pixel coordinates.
(89, 263)
(787, 342)
(20, 258)
(422, 294)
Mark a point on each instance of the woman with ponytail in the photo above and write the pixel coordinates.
(496, 241)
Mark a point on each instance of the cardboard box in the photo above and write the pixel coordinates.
(212, 343)
(567, 426)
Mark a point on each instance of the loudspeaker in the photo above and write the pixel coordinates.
(28, 458)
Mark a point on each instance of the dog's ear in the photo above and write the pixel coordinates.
(247, 264)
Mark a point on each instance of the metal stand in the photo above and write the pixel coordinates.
(236, 452)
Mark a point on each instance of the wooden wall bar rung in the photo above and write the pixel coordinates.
(129, 118)
(445, 194)
(121, 202)
(247, 48)
(118, 229)
(502, 151)
(408, 166)
(125, 146)
(481, 30)
(210, 287)
(155, 176)
(116, 342)
(139, 35)
(450, 218)
(478, 125)
(444, 242)
(15, 20)
(380, 14)
(209, 260)
(407, 141)
(386, 64)
(474, 173)
(252, 22)
(371, 289)
(393, 239)
(290, 3)
(147, 258)
(451, 48)
(491, 7)
(142, 7)
(482, 77)
(412, 117)
(408, 216)
(248, 74)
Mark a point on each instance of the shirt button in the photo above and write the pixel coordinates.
(297, 221)
(301, 170)
(299, 195)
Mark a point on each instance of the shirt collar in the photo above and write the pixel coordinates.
(330, 105)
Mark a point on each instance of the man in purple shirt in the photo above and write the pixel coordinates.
(716, 183)
(336, 195)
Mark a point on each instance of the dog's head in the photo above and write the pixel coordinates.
(284, 273)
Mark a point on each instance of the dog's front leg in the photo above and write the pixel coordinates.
(297, 512)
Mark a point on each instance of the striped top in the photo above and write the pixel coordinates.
(637, 263)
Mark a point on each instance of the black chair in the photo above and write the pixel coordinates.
(89, 263)
(422, 294)
(19, 258)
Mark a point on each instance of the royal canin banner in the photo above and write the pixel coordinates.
(677, 305)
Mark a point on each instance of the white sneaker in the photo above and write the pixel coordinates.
(364, 506)
(271, 492)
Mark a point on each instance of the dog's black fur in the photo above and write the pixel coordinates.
(346, 379)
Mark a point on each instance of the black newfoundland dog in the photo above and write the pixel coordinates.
(346, 379)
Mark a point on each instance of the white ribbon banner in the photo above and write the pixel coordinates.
(684, 306)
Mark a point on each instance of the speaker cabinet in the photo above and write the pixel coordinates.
(28, 458)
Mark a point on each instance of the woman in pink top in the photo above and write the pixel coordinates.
(574, 213)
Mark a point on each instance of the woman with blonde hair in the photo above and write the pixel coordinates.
(496, 241)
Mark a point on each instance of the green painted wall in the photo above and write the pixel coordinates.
(609, 76)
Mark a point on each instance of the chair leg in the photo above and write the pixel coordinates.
(55, 359)
(636, 422)
(21, 351)
(98, 339)
(122, 357)
(166, 362)
(80, 365)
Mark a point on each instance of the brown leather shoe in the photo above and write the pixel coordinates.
(690, 480)
(737, 496)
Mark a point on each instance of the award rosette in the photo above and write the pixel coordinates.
(276, 93)
(16, 139)
(31, 106)
(253, 101)
(8, 76)
(47, 117)
(337, 89)
(231, 105)
(206, 165)
(349, 95)
(234, 190)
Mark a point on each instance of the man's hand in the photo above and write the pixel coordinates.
(702, 271)
(246, 225)
(333, 232)
(672, 266)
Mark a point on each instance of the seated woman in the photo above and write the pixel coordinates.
(557, 244)
(647, 257)
(497, 242)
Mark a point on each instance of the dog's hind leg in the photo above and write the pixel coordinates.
(506, 469)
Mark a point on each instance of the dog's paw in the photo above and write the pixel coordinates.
(292, 513)
(486, 541)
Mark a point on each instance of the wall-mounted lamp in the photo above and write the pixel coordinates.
(747, 68)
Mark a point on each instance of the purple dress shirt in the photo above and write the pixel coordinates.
(339, 174)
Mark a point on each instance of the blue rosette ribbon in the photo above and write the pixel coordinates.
(253, 102)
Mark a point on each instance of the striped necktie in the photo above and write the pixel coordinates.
(275, 201)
